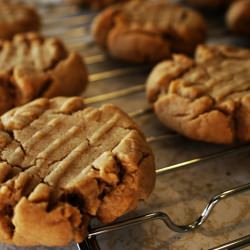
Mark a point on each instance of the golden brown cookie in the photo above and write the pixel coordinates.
(96, 4)
(32, 66)
(17, 18)
(63, 163)
(206, 98)
(238, 17)
(148, 30)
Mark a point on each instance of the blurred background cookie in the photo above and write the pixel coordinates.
(32, 66)
(206, 98)
(238, 17)
(148, 30)
(17, 18)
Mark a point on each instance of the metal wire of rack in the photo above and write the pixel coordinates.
(74, 25)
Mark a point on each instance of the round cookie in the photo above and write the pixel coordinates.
(148, 30)
(17, 18)
(238, 17)
(63, 163)
(32, 66)
(206, 98)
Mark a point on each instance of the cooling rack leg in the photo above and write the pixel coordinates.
(90, 244)
(237, 244)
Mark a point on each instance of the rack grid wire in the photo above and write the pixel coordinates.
(180, 196)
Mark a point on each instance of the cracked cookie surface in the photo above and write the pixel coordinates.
(32, 66)
(17, 18)
(238, 17)
(148, 31)
(206, 98)
(63, 163)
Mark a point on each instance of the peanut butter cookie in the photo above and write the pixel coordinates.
(63, 163)
(148, 30)
(238, 17)
(17, 18)
(206, 98)
(32, 66)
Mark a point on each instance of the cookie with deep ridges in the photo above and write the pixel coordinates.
(206, 98)
(148, 31)
(63, 163)
(17, 18)
(32, 66)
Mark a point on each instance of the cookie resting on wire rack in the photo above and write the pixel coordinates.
(63, 163)
(32, 66)
(148, 30)
(206, 98)
(238, 17)
(17, 18)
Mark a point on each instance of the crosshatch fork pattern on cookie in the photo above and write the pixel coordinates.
(76, 41)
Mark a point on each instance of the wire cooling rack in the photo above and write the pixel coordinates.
(200, 183)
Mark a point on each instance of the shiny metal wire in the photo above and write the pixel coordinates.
(240, 243)
(115, 73)
(167, 220)
(223, 153)
(116, 94)
(95, 59)
(71, 21)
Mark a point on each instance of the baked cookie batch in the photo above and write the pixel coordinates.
(237, 16)
(63, 163)
(149, 31)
